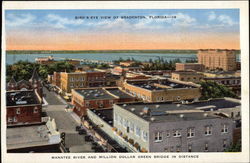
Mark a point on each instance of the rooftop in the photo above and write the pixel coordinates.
(94, 94)
(177, 112)
(164, 84)
(28, 136)
(105, 114)
(15, 98)
(118, 92)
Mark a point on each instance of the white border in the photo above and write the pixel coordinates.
(203, 157)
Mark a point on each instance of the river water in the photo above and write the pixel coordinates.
(12, 58)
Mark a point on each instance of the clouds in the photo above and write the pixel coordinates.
(185, 20)
(222, 19)
(19, 20)
(61, 22)
(211, 16)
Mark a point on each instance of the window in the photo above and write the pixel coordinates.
(144, 135)
(208, 130)
(137, 131)
(18, 111)
(177, 133)
(81, 84)
(224, 143)
(178, 148)
(71, 85)
(14, 119)
(224, 128)
(128, 129)
(115, 117)
(189, 148)
(166, 149)
(206, 147)
(158, 136)
(10, 119)
(132, 127)
(119, 119)
(35, 110)
(111, 102)
(87, 103)
(190, 132)
(167, 134)
(124, 123)
(162, 98)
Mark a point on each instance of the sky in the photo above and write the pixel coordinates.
(111, 29)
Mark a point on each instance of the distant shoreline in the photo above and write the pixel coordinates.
(101, 51)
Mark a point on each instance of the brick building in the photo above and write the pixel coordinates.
(161, 90)
(34, 83)
(189, 66)
(95, 78)
(23, 107)
(72, 80)
(218, 59)
(97, 98)
(188, 76)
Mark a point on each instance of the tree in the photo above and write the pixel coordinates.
(212, 89)
(234, 147)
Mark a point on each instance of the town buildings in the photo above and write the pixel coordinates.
(120, 70)
(34, 83)
(170, 127)
(72, 80)
(23, 107)
(33, 138)
(97, 98)
(189, 66)
(188, 76)
(161, 90)
(217, 59)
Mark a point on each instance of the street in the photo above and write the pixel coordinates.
(65, 123)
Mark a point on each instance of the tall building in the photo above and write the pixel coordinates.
(72, 80)
(218, 59)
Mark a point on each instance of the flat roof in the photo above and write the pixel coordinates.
(94, 94)
(172, 111)
(150, 85)
(16, 98)
(27, 136)
(118, 92)
(105, 114)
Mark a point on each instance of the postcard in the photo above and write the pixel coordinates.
(125, 81)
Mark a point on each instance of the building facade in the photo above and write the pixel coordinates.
(23, 107)
(166, 128)
(97, 98)
(72, 80)
(218, 59)
(189, 66)
(187, 76)
(162, 90)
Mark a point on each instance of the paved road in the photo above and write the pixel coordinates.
(65, 123)
(52, 98)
